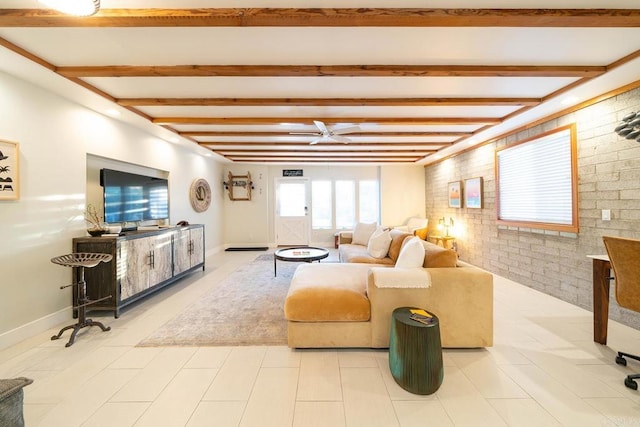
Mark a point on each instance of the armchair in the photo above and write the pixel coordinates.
(624, 255)
(416, 226)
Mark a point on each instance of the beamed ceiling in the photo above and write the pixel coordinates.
(406, 84)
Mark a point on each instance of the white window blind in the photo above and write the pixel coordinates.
(536, 181)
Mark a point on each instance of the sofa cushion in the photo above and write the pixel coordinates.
(397, 238)
(438, 257)
(379, 242)
(362, 233)
(411, 254)
(358, 254)
(328, 292)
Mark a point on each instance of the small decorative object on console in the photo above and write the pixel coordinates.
(95, 225)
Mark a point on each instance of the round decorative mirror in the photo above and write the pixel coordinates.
(200, 195)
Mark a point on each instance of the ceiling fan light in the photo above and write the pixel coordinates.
(74, 7)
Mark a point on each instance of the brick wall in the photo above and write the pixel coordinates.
(552, 262)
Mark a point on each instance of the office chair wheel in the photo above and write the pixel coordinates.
(631, 383)
(621, 361)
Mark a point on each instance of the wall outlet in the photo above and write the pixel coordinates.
(606, 214)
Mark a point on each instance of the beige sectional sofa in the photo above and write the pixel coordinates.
(355, 253)
(344, 305)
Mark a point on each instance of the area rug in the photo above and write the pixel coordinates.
(246, 308)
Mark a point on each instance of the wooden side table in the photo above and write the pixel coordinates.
(415, 353)
(444, 240)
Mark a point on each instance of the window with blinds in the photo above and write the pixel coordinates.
(536, 182)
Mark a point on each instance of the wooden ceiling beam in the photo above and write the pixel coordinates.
(329, 161)
(296, 156)
(326, 102)
(324, 144)
(312, 151)
(328, 120)
(355, 134)
(332, 71)
(326, 17)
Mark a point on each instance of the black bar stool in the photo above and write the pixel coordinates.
(80, 261)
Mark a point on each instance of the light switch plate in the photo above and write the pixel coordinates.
(606, 214)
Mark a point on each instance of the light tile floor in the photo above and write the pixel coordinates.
(544, 370)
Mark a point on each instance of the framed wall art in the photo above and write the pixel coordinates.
(473, 193)
(9, 170)
(454, 193)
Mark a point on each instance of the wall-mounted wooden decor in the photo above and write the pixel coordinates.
(239, 186)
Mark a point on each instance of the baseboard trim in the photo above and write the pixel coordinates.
(35, 327)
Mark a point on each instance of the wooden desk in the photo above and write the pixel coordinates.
(601, 274)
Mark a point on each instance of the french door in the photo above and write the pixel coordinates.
(292, 211)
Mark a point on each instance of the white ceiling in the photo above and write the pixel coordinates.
(276, 104)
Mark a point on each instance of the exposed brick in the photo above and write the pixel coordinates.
(550, 261)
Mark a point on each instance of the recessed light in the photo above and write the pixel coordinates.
(74, 7)
(113, 112)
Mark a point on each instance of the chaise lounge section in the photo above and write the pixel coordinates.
(347, 305)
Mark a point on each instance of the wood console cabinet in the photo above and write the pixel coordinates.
(143, 262)
(188, 249)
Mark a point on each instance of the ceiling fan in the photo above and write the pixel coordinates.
(325, 134)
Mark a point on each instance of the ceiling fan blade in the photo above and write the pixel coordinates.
(315, 141)
(321, 126)
(340, 139)
(304, 133)
(345, 130)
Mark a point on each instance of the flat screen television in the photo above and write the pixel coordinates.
(129, 197)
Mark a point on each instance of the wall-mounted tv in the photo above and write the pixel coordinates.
(129, 197)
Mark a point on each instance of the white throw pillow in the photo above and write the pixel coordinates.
(411, 254)
(379, 243)
(362, 233)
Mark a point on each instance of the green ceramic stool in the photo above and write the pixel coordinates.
(415, 353)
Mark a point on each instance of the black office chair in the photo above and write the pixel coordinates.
(624, 255)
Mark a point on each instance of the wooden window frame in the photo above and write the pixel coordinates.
(569, 228)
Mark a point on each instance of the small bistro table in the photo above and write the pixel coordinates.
(299, 254)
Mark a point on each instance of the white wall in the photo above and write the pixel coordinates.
(403, 193)
(252, 223)
(55, 137)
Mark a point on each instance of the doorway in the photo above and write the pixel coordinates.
(292, 211)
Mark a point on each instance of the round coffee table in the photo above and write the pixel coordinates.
(299, 254)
